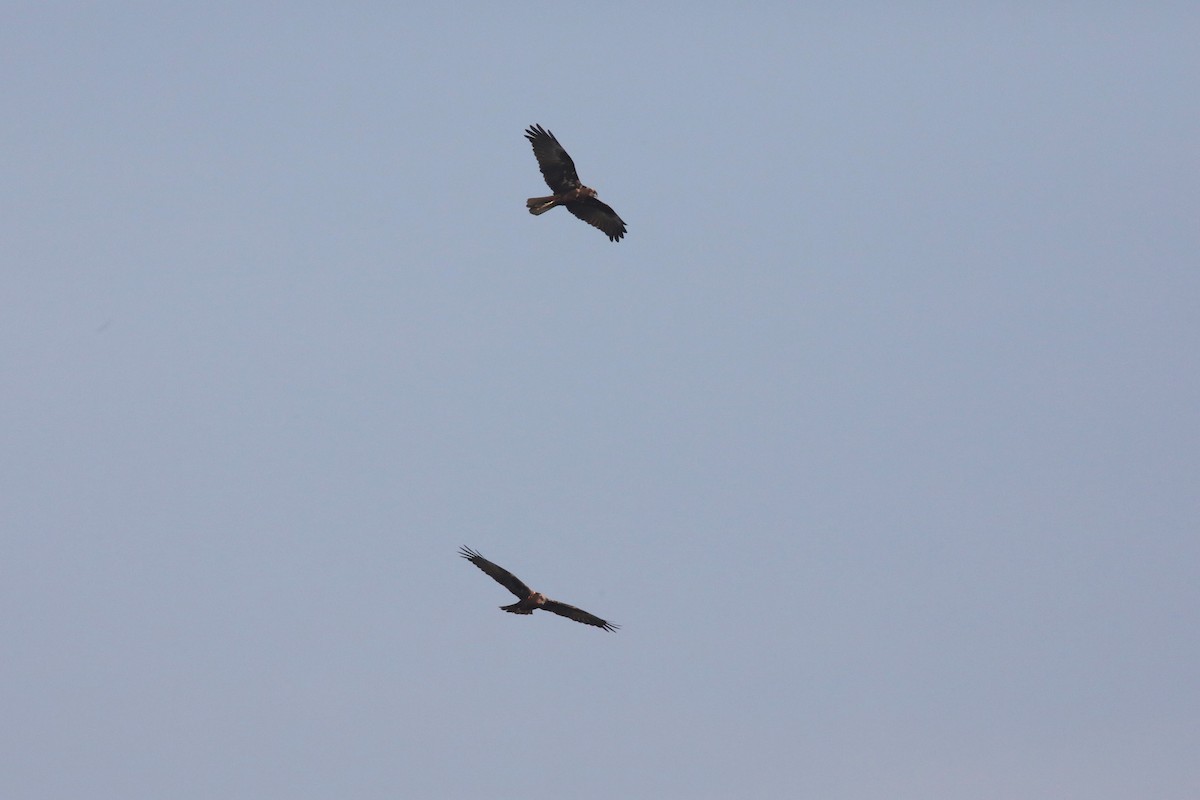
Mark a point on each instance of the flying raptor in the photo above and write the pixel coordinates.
(559, 171)
(528, 600)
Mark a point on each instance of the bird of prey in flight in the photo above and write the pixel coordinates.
(528, 600)
(559, 171)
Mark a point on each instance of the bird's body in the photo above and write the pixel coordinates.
(530, 604)
(559, 171)
(540, 205)
(528, 600)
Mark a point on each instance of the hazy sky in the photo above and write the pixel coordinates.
(879, 434)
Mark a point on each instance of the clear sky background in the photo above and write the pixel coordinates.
(879, 434)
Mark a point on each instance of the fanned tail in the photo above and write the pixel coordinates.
(515, 608)
(540, 205)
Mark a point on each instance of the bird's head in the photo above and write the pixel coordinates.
(538, 598)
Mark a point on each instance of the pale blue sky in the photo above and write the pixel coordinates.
(878, 433)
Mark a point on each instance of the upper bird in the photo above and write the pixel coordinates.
(528, 600)
(559, 171)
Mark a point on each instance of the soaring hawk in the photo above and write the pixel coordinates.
(559, 171)
(528, 600)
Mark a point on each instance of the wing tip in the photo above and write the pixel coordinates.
(536, 131)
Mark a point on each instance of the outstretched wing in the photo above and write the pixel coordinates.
(499, 574)
(593, 212)
(557, 167)
(577, 614)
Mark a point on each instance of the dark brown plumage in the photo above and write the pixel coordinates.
(528, 600)
(559, 171)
